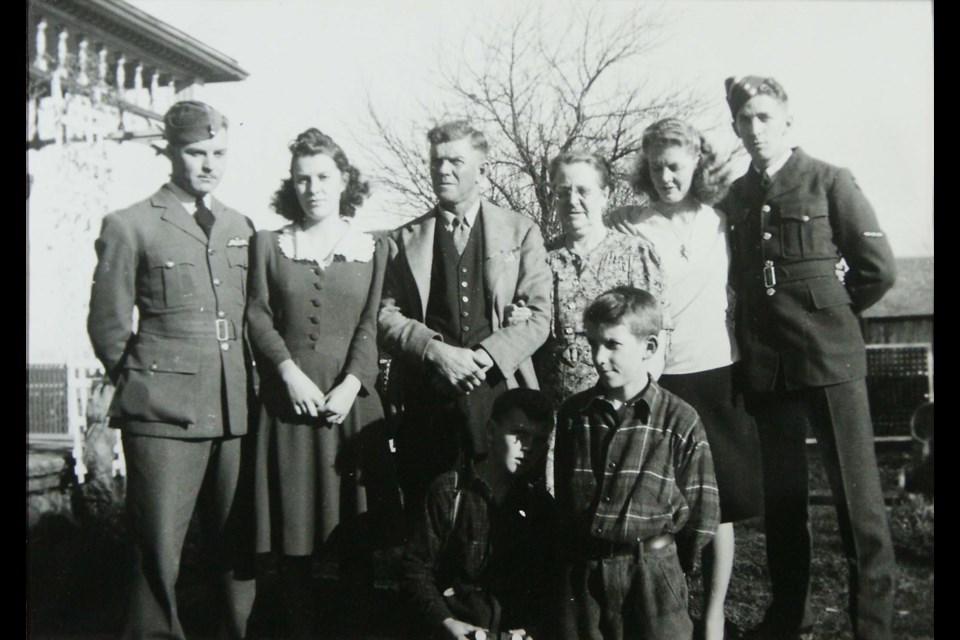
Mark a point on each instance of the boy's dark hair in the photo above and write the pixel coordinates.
(534, 404)
(636, 308)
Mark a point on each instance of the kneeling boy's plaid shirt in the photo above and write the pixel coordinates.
(629, 475)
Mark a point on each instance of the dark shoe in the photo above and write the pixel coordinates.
(730, 631)
(765, 631)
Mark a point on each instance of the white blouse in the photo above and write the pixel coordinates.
(696, 261)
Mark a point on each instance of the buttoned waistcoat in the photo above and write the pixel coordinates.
(514, 268)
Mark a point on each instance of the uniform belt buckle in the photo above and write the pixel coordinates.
(769, 276)
(223, 330)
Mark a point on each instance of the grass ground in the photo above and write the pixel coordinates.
(77, 568)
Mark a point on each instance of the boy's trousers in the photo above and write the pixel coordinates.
(638, 593)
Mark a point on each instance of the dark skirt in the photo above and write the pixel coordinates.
(732, 435)
(315, 483)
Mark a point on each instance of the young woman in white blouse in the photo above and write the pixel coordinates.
(680, 174)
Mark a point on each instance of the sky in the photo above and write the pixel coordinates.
(859, 75)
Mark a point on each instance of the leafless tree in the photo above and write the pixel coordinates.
(547, 80)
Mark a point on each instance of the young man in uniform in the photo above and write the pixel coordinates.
(803, 364)
(184, 376)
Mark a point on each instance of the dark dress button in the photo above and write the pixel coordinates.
(316, 303)
(315, 319)
(318, 285)
(312, 336)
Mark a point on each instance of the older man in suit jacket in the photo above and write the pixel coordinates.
(803, 363)
(183, 377)
(451, 273)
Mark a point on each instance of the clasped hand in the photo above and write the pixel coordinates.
(462, 370)
(308, 399)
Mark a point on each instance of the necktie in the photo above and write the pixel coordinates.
(461, 233)
(764, 179)
(204, 216)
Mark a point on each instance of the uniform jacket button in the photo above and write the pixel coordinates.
(169, 264)
(771, 291)
(221, 314)
(765, 208)
(225, 346)
(216, 282)
(805, 218)
(154, 367)
(767, 235)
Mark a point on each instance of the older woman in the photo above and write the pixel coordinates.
(314, 294)
(680, 174)
(590, 260)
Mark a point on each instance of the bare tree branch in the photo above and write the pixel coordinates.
(545, 82)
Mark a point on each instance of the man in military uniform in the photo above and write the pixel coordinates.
(183, 377)
(791, 219)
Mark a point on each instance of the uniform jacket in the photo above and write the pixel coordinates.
(792, 311)
(170, 372)
(514, 268)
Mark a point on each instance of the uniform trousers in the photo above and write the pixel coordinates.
(166, 479)
(839, 418)
(639, 596)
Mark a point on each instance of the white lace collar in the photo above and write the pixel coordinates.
(354, 246)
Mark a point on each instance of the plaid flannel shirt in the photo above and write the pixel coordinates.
(629, 475)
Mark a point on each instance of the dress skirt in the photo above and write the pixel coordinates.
(314, 480)
(732, 435)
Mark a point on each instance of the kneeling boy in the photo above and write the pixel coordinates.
(480, 554)
(634, 483)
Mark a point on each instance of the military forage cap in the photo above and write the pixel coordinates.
(741, 89)
(191, 121)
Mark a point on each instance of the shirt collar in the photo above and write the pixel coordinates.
(642, 402)
(777, 164)
(188, 201)
(469, 217)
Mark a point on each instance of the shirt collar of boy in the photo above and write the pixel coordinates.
(641, 405)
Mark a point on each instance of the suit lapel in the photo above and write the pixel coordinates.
(219, 229)
(418, 246)
(175, 214)
(787, 179)
(496, 244)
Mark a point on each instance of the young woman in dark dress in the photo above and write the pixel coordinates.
(322, 457)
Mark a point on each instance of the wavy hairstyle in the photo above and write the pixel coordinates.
(457, 130)
(712, 175)
(595, 160)
(310, 143)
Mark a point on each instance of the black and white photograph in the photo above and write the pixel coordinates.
(542, 320)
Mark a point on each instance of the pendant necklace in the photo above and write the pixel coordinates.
(684, 251)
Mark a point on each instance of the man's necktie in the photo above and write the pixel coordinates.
(764, 179)
(204, 216)
(461, 233)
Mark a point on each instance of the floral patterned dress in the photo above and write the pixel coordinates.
(312, 476)
(565, 365)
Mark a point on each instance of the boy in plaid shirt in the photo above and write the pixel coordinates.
(634, 484)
